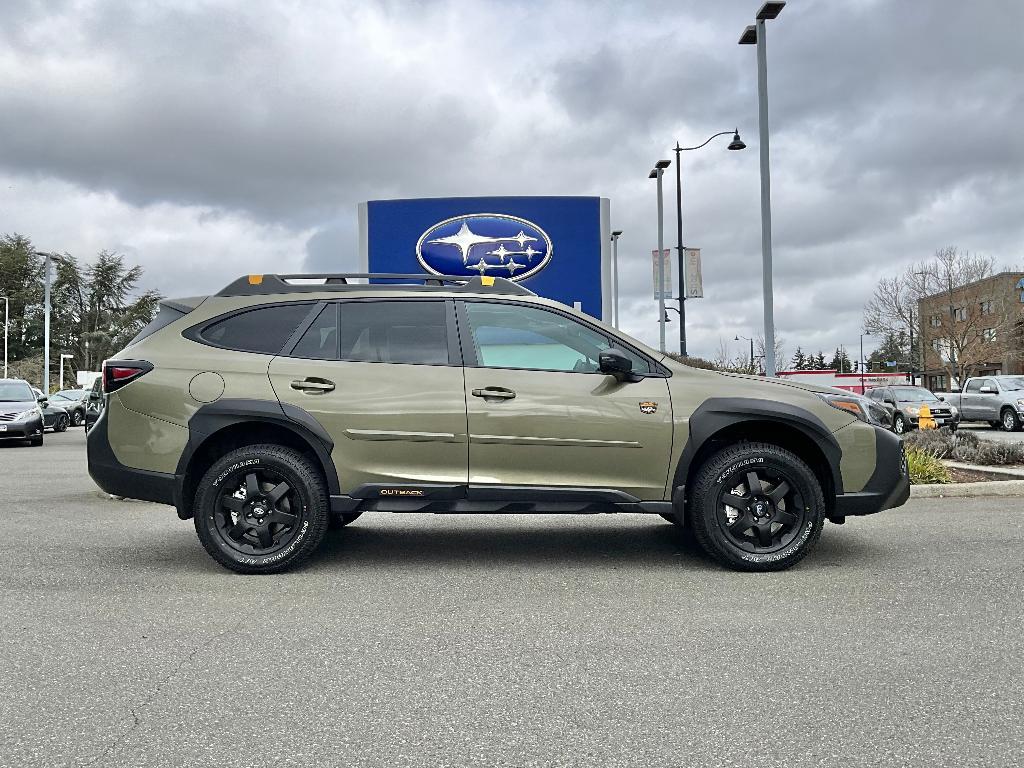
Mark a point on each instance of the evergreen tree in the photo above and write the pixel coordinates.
(799, 361)
(841, 361)
(819, 361)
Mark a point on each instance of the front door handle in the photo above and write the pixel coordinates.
(313, 385)
(495, 393)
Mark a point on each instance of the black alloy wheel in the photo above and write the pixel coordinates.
(756, 507)
(60, 424)
(77, 417)
(261, 509)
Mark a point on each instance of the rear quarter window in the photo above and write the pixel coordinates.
(263, 329)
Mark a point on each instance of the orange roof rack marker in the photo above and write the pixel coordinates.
(255, 279)
(486, 280)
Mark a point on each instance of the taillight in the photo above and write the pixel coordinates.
(117, 373)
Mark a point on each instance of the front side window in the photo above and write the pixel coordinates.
(516, 336)
(974, 385)
(410, 332)
(264, 329)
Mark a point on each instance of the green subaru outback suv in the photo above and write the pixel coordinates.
(287, 402)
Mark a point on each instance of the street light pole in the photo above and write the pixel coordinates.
(657, 173)
(748, 338)
(46, 325)
(756, 34)
(7, 308)
(63, 357)
(614, 276)
(736, 143)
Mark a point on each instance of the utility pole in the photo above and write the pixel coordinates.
(46, 324)
(657, 173)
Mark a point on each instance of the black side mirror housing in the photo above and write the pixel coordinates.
(614, 363)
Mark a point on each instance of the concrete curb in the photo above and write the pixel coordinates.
(961, 490)
(995, 469)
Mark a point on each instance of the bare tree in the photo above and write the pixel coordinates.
(965, 332)
(780, 347)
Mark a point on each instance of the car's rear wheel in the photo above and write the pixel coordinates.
(899, 424)
(60, 424)
(756, 507)
(1009, 420)
(261, 509)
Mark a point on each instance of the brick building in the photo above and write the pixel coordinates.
(973, 330)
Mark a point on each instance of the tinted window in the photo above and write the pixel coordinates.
(875, 394)
(514, 336)
(393, 332)
(974, 385)
(264, 330)
(320, 341)
(164, 317)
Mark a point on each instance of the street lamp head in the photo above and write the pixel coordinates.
(737, 142)
(663, 164)
(653, 174)
(771, 9)
(749, 36)
(616, 233)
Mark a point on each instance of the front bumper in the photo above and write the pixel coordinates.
(889, 484)
(21, 430)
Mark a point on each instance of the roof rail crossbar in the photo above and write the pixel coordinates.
(258, 285)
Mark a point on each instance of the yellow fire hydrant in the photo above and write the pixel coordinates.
(925, 420)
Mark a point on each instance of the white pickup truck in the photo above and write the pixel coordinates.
(999, 400)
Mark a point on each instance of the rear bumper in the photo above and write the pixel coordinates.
(888, 486)
(21, 430)
(115, 478)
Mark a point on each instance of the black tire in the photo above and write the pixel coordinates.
(60, 424)
(77, 417)
(996, 424)
(899, 424)
(777, 489)
(261, 509)
(36, 442)
(340, 521)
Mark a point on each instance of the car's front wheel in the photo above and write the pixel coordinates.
(60, 424)
(1010, 420)
(261, 509)
(899, 424)
(77, 417)
(756, 507)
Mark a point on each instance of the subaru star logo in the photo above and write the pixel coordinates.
(485, 244)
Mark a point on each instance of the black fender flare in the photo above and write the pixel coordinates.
(214, 417)
(719, 413)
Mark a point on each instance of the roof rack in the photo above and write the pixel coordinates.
(259, 285)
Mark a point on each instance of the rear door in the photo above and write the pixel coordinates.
(384, 377)
(541, 415)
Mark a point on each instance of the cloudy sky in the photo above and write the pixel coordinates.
(210, 139)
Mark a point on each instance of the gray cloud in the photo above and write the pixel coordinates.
(234, 136)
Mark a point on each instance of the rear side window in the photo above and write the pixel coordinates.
(264, 329)
(393, 332)
(320, 341)
(164, 317)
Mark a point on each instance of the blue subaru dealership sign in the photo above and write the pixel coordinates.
(557, 247)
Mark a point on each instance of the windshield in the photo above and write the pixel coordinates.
(913, 395)
(15, 391)
(1013, 385)
(70, 394)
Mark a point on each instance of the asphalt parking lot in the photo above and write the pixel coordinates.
(487, 641)
(986, 432)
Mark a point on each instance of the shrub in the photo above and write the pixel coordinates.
(964, 446)
(926, 468)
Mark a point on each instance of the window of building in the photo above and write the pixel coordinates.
(988, 334)
(985, 307)
(937, 383)
(935, 321)
(937, 346)
(264, 329)
(960, 313)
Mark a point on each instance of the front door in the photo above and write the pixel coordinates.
(542, 415)
(383, 380)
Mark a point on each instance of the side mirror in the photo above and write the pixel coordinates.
(942, 397)
(42, 400)
(986, 390)
(616, 364)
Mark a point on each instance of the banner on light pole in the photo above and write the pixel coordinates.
(694, 278)
(665, 289)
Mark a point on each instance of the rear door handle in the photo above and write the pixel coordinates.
(312, 385)
(495, 393)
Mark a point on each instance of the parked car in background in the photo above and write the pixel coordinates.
(906, 403)
(93, 404)
(74, 401)
(54, 416)
(21, 418)
(997, 400)
(879, 413)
